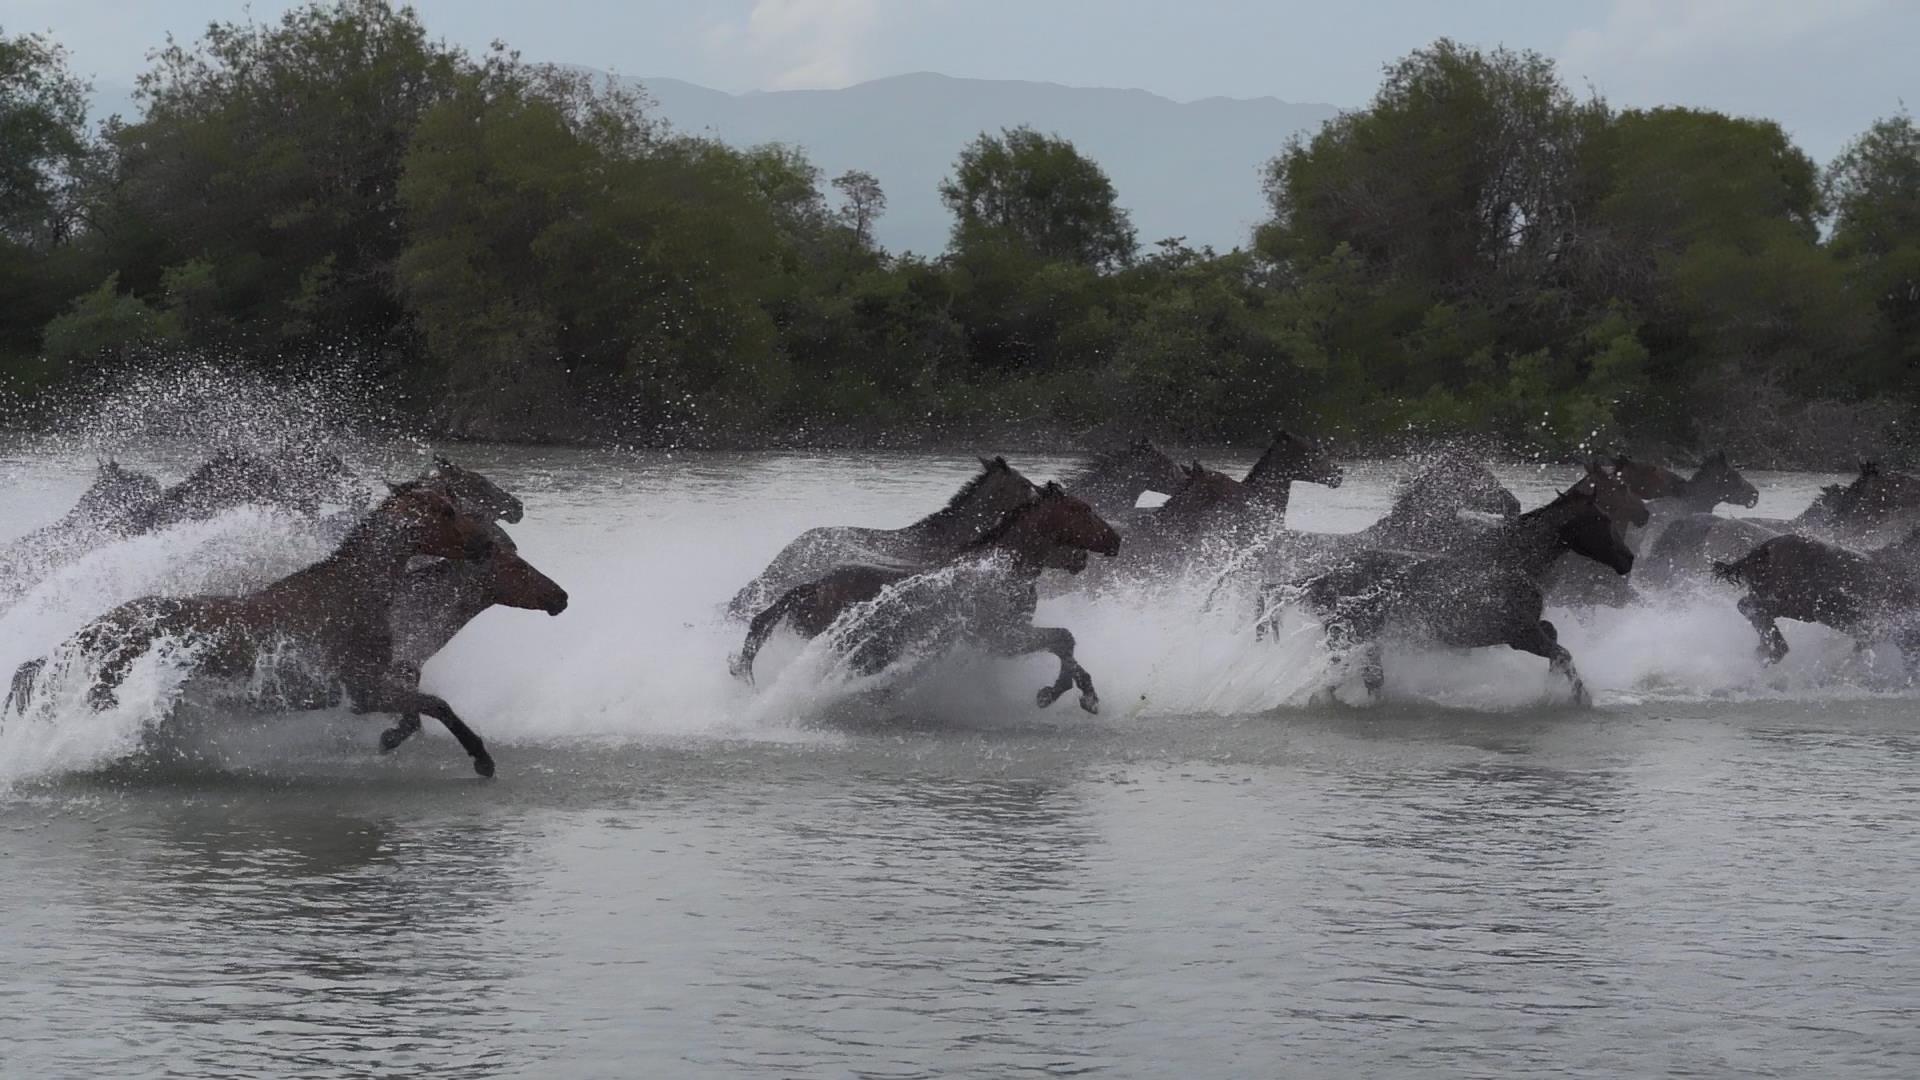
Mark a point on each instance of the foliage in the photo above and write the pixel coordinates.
(517, 251)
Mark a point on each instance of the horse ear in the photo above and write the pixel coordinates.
(1053, 490)
(1869, 468)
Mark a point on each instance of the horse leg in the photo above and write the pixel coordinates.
(1373, 670)
(21, 691)
(389, 697)
(409, 723)
(761, 628)
(1545, 642)
(1059, 641)
(1773, 644)
(127, 647)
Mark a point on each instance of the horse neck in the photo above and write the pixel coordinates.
(363, 571)
(1271, 493)
(1531, 542)
(962, 522)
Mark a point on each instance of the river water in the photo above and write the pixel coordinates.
(1709, 873)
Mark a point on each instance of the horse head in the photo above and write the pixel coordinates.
(1457, 482)
(1291, 458)
(1718, 479)
(1649, 481)
(1585, 529)
(475, 493)
(1614, 496)
(1202, 490)
(513, 582)
(117, 490)
(1053, 520)
(1148, 467)
(427, 522)
(1875, 495)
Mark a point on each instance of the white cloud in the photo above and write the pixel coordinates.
(801, 44)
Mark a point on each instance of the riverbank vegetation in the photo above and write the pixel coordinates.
(506, 250)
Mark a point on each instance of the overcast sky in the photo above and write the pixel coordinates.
(1823, 68)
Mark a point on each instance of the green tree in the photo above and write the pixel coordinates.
(1874, 190)
(1036, 192)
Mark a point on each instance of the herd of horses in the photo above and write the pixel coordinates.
(1455, 562)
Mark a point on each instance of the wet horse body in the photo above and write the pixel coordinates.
(991, 605)
(979, 504)
(1872, 596)
(335, 614)
(1428, 516)
(1485, 593)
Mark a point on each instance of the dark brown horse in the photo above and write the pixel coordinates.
(1487, 593)
(1871, 597)
(993, 608)
(335, 613)
(1716, 481)
(434, 602)
(976, 507)
(1114, 481)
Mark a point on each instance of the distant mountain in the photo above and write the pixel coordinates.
(1187, 169)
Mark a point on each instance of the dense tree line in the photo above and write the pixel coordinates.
(517, 251)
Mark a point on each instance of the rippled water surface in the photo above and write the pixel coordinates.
(1710, 873)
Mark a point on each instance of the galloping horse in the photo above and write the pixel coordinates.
(1852, 513)
(976, 507)
(993, 608)
(103, 513)
(1213, 514)
(335, 612)
(434, 602)
(1716, 481)
(1485, 594)
(298, 481)
(1870, 597)
(1114, 481)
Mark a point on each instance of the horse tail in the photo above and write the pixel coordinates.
(762, 627)
(22, 690)
(1739, 572)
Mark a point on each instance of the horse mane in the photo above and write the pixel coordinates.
(1013, 517)
(958, 502)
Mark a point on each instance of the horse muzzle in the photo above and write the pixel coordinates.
(1109, 544)
(556, 604)
(1751, 500)
(1623, 564)
(513, 513)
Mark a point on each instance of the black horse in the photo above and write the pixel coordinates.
(1212, 517)
(979, 504)
(294, 479)
(1486, 593)
(1870, 597)
(1853, 513)
(103, 513)
(984, 594)
(1114, 481)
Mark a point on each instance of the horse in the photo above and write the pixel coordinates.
(335, 612)
(1114, 481)
(102, 514)
(434, 602)
(1852, 513)
(1716, 481)
(295, 481)
(976, 507)
(1212, 514)
(1428, 514)
(993, 608)
(1485, 594)
(1870, 597)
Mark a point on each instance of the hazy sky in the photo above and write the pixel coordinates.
(1823, 68)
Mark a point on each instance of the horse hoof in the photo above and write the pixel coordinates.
(1581, 697)
(391, 739)
(1090, 701)
(1047, 696)
(483, 766)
